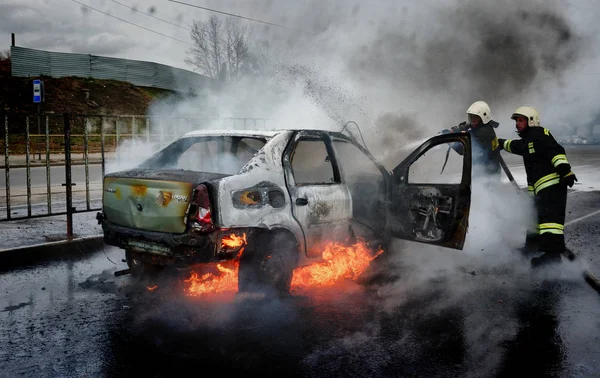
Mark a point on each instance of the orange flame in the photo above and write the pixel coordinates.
(152, 288)
(340, 263)
(233, 241)
(224, 279)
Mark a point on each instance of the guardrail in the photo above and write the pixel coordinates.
(42, 151)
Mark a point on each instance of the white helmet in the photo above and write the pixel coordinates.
(533, 119)
(481, 109)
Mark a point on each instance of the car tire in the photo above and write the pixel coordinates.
(268, 263)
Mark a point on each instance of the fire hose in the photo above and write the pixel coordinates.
(588, 276)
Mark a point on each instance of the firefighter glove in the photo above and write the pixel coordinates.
(501, 143)
(569, 179)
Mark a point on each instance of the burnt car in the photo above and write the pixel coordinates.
(272, 198)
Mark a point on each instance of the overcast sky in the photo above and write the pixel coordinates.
(422, 61)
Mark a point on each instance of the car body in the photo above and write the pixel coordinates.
(274, 197)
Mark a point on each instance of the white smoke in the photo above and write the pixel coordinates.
(403, 72)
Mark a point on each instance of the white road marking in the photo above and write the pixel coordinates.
(582, 218)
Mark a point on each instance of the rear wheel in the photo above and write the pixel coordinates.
(268, 263)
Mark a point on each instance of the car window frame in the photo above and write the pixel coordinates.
(152, 159)
(310, 135)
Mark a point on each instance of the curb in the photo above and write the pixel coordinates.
(32, 254)
(74, 241)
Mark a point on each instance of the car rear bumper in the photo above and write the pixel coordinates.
(195, 247)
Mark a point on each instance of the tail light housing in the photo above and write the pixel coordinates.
(200, 211)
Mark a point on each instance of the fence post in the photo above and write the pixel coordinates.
(48, 168)
(147, 130)
(102, 153)
(6, 167)
(68, 182)
(86, 142)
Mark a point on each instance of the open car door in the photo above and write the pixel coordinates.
(431, 192)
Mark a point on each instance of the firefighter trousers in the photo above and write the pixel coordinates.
(551, 204)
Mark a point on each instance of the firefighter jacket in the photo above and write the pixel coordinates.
(544, 159)
(485, 146)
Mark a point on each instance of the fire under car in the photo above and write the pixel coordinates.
(271, 199)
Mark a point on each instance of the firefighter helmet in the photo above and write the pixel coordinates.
(533, 118)
(481, 109)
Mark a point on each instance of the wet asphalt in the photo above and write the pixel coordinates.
(419, 312)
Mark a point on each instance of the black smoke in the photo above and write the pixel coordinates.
(476, 50)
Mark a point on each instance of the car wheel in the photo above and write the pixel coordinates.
(268, 263)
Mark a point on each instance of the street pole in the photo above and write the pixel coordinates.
(39, 131)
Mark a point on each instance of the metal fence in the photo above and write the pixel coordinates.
(30, 62)
(54, 164)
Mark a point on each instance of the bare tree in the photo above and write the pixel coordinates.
(221, 51)
(5, 61)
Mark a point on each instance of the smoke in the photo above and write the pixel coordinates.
(404, 72)
(128, 154)
(477, 50)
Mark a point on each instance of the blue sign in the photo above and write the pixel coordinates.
(37, 91)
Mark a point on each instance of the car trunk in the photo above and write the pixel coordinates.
(151, 200)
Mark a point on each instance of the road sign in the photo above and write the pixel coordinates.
(37, 91)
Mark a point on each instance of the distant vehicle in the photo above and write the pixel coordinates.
(277, 196)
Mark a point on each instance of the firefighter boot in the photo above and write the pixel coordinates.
(548, 258)
(531, 246)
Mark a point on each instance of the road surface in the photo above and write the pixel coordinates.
(430, 312)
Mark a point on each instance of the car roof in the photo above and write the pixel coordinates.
(250, 132)
(268, 134)
(233, 132)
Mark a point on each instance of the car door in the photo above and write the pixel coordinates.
(320, 202)
(367, 183)
(431, 193)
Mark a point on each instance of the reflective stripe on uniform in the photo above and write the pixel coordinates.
(506, 145)
(559, 159)
(495, 144)
(553, 228)
(546, 181)
(530, 189)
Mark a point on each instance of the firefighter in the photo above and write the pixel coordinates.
(548, 176)
(486, 151)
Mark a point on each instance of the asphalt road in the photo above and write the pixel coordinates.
(420, 312)
(18, 176)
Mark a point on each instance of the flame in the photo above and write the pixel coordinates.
(233, 241)
(341, 263)
(225, 278)
(152, 288)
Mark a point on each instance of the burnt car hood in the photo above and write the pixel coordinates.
(151, 199)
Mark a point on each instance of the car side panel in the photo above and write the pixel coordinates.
(263, 172)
